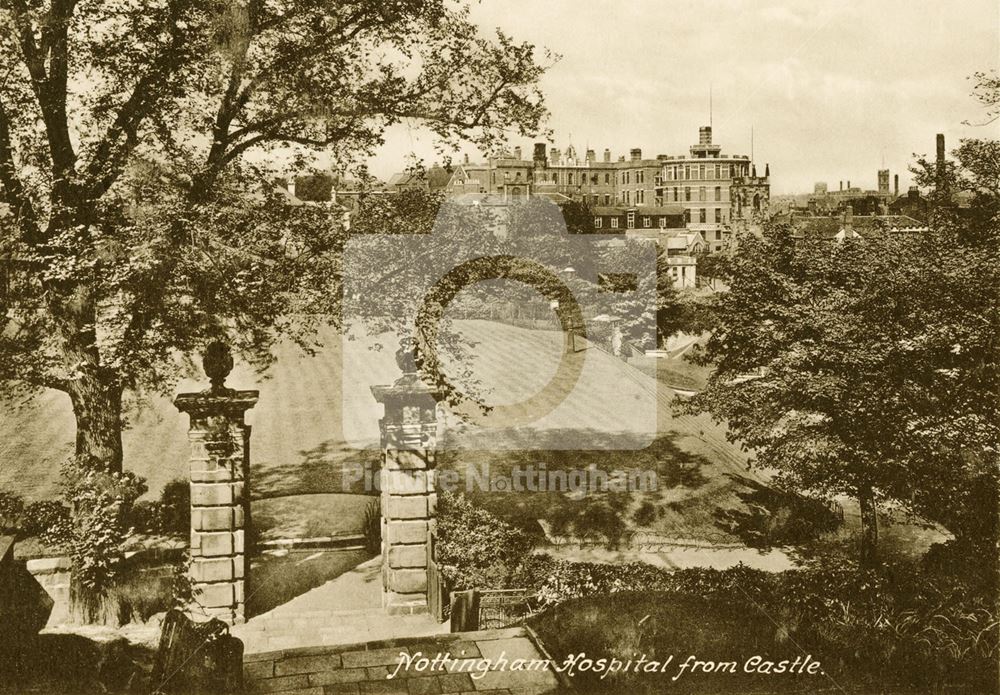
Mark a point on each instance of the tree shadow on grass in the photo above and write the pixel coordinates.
(591, 512)
(773, 517)
(330, 467)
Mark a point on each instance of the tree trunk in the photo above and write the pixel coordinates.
(97, 407)
(869, 527)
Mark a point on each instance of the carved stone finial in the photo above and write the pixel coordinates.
(405, 356)
(217, 362)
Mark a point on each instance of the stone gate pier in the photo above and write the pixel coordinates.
(408, 442)
(220, 499)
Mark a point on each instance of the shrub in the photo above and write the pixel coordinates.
(372, 525)
(49, 520)
(175, 508)
(475, 549)
(102, 503)
(11, 507)
(170, 516)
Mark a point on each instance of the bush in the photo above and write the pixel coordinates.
(476, 549)
(372, 525)
(11, 508)
(102, 502)
(49, 520)
(170, 516)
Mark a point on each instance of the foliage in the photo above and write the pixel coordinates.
(372, 525)
(869, 367)
(903, 625)
(864, 368)
(101, 504)
(169, 516)
(49, 520)
(474, 548)
(11, 507)
(139, 148)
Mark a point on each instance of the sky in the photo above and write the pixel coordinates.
(831, 90)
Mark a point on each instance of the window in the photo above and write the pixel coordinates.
(630, 220)
(663, 222)
(628, 197)
(701, 194)
(701, 172)
(718, 216)
(725, 171)
(702, 216)
(669, 174)
(687, 172)
(614, 223)
(640, 197)
(687, 194)
(676, 194)
(646, 222)
(569, 179)
(607, 199)
(718, 192)
(598, 222)
(640, 177)
(607, 178)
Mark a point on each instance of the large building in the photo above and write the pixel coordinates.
(711, 192)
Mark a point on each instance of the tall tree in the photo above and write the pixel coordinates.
(138, 143)
(869, 367)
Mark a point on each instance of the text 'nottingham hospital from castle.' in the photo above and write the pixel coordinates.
(703, 191)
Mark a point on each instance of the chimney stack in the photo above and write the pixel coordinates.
(636, 154)
(607, 155)
(591, 156)
(895, 184)
(465, 158)
(705, 135)
(554, 156)
(841, 186)
(848, 184)
(517, 153)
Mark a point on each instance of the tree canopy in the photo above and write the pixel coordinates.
(869, 367)
(139, 145)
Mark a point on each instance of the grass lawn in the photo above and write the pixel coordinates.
(316, 416)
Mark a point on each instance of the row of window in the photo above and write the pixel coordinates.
(639, 176)
(702, 172)
(674, 194)
(639, 197)
(702, 214)
(647, 222)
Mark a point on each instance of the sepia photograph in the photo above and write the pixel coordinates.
(499, 347)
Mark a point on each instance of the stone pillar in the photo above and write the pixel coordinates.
(409, 441)
(220, 496)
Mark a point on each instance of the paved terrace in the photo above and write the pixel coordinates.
(344, 610)
(365, 669)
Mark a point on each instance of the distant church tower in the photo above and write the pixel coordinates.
(750, 199)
